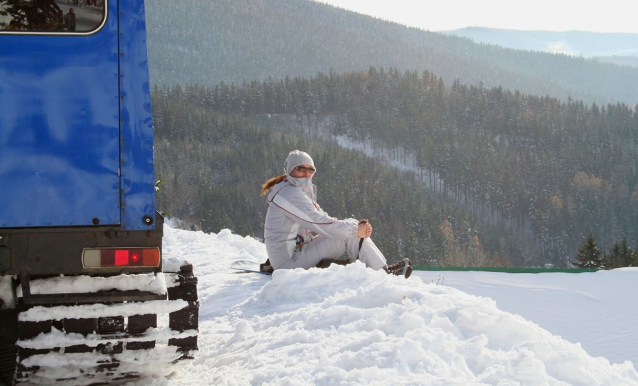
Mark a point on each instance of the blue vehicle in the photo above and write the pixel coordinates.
(81, 267)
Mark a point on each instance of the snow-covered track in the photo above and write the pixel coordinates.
(108, 342)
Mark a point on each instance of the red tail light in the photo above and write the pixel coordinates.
(120, 257)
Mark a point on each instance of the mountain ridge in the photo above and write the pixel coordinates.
(577, 43)
(245, 40)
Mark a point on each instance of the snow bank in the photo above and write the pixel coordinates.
(351, 325)
(590, 308)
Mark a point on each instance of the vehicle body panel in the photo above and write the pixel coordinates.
(76, 141)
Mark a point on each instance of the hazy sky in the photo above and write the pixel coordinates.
(545, 15)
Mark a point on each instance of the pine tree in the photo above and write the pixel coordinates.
(589, 254)
(612, 260)
(628, 254)
(620, 256)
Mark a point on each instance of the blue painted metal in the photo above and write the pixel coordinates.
(137, 163)
(76, 141)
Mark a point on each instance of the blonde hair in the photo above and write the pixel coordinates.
(265, 188)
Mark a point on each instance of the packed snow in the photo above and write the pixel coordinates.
(40, 313)
(350, 325)
(84, 283)
(6, 292)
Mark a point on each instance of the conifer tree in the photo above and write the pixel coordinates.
(589, 254)
(628, 254)
(620, 256)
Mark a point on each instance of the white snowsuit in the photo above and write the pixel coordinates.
(292, 211)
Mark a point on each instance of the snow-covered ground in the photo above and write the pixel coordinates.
(351, 325)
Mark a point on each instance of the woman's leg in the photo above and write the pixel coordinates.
(369, 255)
(315, 251)
(325, 248)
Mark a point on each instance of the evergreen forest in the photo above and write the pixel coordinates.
(459, 153)
(519, 179)
(211, 165)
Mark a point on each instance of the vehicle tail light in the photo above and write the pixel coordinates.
(120, 257)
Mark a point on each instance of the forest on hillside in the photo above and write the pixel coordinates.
(561, 169)
(211, 166)
(235, 41)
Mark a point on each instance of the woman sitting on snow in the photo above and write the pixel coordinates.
(299, 234)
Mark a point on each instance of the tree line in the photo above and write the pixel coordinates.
(591, 256)
(560, 168)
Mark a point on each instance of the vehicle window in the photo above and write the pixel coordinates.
(51, 16)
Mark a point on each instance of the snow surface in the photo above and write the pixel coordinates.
(87, 284)
(352, 325)
(58, 338)
(40, 313)
(7, 298)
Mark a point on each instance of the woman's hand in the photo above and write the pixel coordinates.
(365, 229)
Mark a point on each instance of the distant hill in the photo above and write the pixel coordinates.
(207, 42)
(631, 61)
(577, 43)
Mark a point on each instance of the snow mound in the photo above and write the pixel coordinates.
(350, 325)
(354, 325)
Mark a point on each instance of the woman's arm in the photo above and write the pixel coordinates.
(297, 206)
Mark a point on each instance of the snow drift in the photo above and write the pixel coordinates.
(350, 325)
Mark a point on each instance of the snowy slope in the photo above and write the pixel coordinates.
(596, 309)
(351, 325)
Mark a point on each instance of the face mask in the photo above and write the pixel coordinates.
(304, 183)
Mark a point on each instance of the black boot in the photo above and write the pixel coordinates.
(266, 267)
(402, 268)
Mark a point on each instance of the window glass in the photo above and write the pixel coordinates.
(56, 16)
